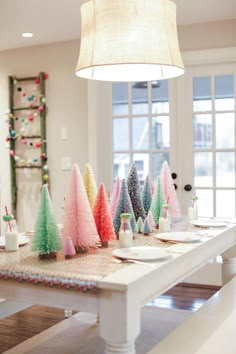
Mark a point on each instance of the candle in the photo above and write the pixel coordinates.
(164, 224)
(11, 241)
(192, 212)
(126, 239)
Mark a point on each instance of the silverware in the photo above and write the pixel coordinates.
(116, 260)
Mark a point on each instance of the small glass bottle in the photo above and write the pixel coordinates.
(125, 231)
(164, 220)
(193, 209)
(11, 236)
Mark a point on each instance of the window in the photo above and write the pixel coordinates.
(214, 144)
(141, 127)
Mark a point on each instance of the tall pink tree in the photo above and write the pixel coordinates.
(102, 217)
(78, 221)
(114, 198)
(169, 190)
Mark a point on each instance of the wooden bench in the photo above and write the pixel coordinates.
(210, 330)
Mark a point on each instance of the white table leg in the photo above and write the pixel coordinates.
(119, 322)
(228, 265)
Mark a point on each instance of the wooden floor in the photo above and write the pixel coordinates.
(33, 320)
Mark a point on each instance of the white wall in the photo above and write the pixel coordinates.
(67, 108)
(210, 35)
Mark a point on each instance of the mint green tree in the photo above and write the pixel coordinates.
(135, 193)
(123, 206)
(158, 200)
(139, 225)
(147, 195)
(46, 237)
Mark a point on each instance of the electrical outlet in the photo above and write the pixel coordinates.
(66, 163)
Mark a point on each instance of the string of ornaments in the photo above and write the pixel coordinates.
(36, 104)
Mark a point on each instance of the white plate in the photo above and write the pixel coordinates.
(208, 223)
(142, 253)
(181, 236)
(23, 240)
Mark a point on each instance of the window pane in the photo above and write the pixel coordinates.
(160, 132)
(142, 166)
(224, 130)
(203, 176)
(157, 161)
(139, 97)
(121, 165)
(121, 129)
(120, 99)
(202, 131)
(205, 202)
(225, 203)
(140, 133)
(202, 94)
(160, 99)
(225, 169)
(224, 93)
(203, 169)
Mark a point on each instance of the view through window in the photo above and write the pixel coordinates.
(214, 144)
(141, 127)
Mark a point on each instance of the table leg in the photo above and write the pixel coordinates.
(119, 321)
(228, 265)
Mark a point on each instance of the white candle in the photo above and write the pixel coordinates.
(164, 224)
(125, 239)
(11, 241)
(192, 213)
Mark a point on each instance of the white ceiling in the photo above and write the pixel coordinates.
(59, 20)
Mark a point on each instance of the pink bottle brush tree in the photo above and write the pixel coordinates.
(115, 196)
(102, 217)
(78, 221)
(68, 248)
(169, 190)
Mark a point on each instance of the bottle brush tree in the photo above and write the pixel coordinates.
(124, 206)
(102, 217)
(78, 221)
(46, 237)
(90, 184)
(135, 193)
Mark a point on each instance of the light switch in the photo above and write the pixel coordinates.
(66, 163)
(64, 134)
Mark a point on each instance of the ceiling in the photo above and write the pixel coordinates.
(59, 20)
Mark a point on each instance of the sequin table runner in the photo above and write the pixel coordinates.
(79, 273)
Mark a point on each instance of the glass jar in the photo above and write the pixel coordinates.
(164, 219)
(193, 209)
(125, 231)
(11, 236)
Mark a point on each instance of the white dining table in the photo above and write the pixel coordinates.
(119, 291)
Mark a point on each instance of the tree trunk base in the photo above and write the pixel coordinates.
(68, 257)
(104, 244)
(48, 256)
(80, 250)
